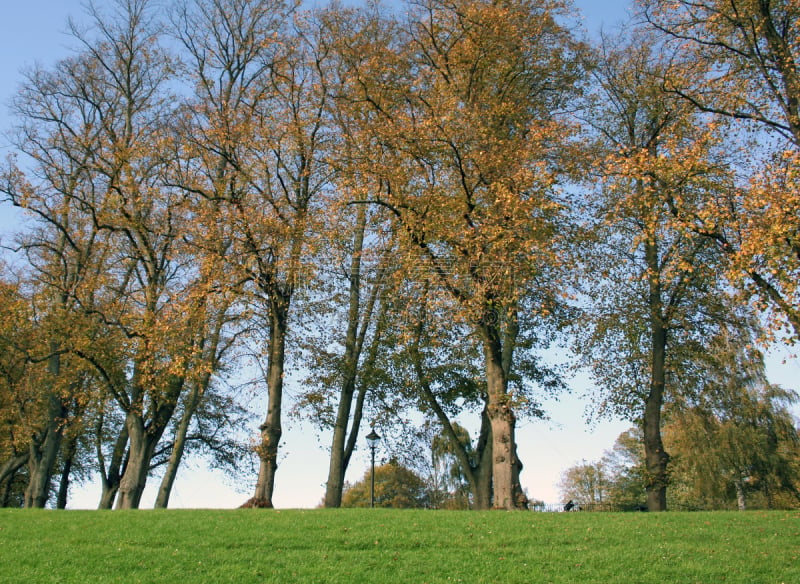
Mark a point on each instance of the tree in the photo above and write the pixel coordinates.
(395, 487)
(737, 438)
(351, 34)
(15, 325)
(97, 130)
(258, 135)
(465, 130)
(740, 62)
(627, 471)
(653, 283)
(586, 484)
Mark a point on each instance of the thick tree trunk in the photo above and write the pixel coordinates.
(140, 451)
(44, 446)
(271, 429)
(43, 454)
(143, 438)
(41, 464)
(482, 489)
(502, 420)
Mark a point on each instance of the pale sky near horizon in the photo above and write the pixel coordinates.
(33, 31)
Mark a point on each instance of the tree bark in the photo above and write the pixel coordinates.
(482, 489)
(179, 444)
(502, 420)
(143, 438)
(45, 445)
(352, 350)
(271, 429)
(140, 451)
(63, 485)
(110, 478)
(656, 458)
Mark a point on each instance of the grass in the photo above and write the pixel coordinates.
(378, 545)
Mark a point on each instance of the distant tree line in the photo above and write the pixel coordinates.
(395, 212)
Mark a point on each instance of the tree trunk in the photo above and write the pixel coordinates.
(43, 454)
(140, 451)
(271, 429)
(656, 458)
(63, 485)
(502, 420)
(144, 436)
(41, 463)
(352, 350)
(110, 478)
(179, 444)
(740, 497)
(45, 446)
(482, 489)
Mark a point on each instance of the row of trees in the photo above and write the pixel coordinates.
(395, 210)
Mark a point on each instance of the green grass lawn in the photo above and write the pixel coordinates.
(378, 545)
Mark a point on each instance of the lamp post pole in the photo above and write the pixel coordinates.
(372, 441)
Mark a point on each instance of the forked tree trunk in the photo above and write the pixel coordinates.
(143, 438)
(110, 477)
(482, 488)
(352, 350)
(41, 464)
(45, 445)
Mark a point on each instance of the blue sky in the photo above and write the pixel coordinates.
(33, 31)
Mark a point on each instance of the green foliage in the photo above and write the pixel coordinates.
(395, 486)
(382, 545)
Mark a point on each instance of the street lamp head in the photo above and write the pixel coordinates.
(373, 439)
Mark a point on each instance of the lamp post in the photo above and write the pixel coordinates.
(372, 441)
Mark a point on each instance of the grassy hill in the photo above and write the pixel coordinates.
(378, 545)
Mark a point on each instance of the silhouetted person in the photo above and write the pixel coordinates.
(569, 506)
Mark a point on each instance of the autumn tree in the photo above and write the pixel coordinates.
(585, 484)
(739, 61)
(357, 256)
(652, 284)
(15, 325)
(465, 131)
(96, 128)
(258, 136)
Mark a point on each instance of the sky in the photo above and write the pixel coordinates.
(32, 31)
